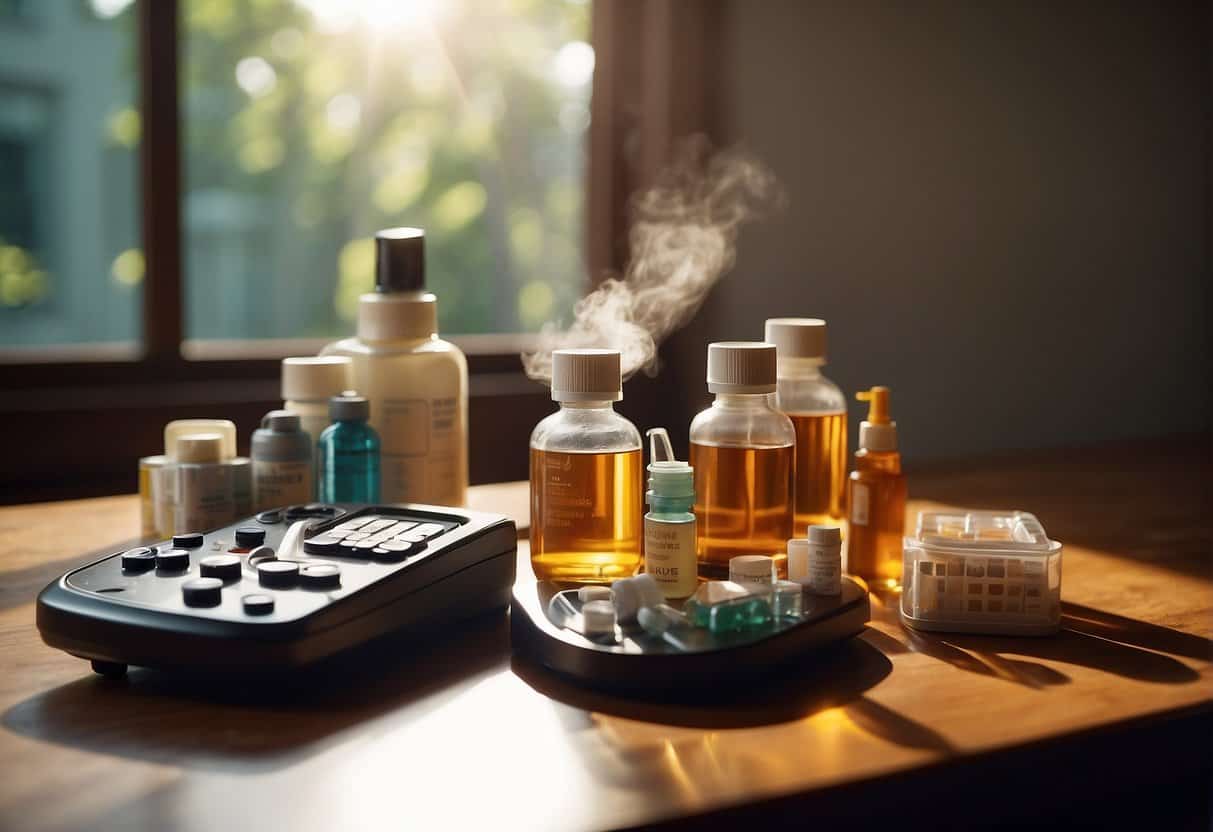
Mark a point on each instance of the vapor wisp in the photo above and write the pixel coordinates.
(682, 240)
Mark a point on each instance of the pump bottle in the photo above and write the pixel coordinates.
(415, 382)
(876, 496)
(669, 525)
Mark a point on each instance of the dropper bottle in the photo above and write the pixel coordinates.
(669, 526)
(876, 495)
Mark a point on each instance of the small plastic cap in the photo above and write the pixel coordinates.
(825, 535)
(741, 367)
(797, 337)
(668, 477)
(181, 427)
(751, 566)
(349, 407)
(315, 377)
(598, 618)
(281, 421)
(878, 404)
(400, 260)
(586, 375)
(200, 448)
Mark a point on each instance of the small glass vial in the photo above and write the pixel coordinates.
(818, 411)
(876, 496)
(585, 475)
(308, 383)
(282, 461)
(669, 526)
(743, 453)
(348, 453)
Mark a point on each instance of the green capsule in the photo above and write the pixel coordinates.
(741, 615)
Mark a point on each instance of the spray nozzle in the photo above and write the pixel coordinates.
(668, 477)
(878, 404)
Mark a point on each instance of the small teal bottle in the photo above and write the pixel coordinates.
(669, 526)
(348, 453)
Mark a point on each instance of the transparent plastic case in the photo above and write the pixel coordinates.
(981, 572)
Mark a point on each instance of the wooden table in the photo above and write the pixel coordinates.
(453, 733)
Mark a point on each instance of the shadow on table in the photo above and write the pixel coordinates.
(1088, 638)
(257, 723)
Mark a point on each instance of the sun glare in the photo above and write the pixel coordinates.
(378, 15)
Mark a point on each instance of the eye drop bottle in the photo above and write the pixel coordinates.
(203, 484)
(585, 476)
(415, 382)
(669, 525)
(818, 411)
(348, 453)
(743, 453)
(282, 461)
(876, 496)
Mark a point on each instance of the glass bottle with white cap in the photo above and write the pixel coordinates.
(586, 485)
(743, 453)
(818, 411)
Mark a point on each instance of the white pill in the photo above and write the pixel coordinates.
(630, 595)
(598, 619)
(594, 593)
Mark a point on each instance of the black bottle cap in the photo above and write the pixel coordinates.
(400, 260)
(349, 407)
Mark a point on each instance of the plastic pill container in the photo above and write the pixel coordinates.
(981, 572)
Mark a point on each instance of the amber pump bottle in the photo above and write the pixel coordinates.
(876, 496)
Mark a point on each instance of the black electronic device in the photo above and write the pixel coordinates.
(281, 590)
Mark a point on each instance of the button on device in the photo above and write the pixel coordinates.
(139, 559)
(394, 551)
(202, 592)
(356, 523)
(189, 540)
(320, 575)
(173, 560)
(322, 544)
(249, 537)
(278, 573)
(429, 529)
(258, 603)
(270, 517)
(223, 567)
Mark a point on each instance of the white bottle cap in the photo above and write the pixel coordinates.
(741, 367)
(397, 316)
(749, 569)
(200, 448)
(878, 437)
(315, 377)
(825, 535)
(797, 337)
(629, 595)
(598, 618)
(224, 428)
(798, 560)
(586, 375)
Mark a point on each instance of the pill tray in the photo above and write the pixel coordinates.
(981, 572)
(545, 626)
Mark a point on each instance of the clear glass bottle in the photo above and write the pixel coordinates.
(818, 410)
(416, 383)
(586, 474)
(348, 453)
(743, 453)
(876, 496)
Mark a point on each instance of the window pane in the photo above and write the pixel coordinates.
(71, 267)
(312, 123)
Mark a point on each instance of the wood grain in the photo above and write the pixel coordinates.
(451, 732)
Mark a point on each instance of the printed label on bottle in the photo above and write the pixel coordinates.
(203, 498)
(669, 556)
(420, 450)
(825, 569)
(859, 504)
(280, 484)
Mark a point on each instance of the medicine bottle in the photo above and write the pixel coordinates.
(585, 475)
(818, 411)
(282, 461)
(876, 496)
(743, 453)
(416, 383)
(348, 453)
(203, 484)
(162, 475)
(669, 525)
(308, 383)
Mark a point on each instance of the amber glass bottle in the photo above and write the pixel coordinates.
(876, 496)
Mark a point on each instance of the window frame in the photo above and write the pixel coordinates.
(89, 411)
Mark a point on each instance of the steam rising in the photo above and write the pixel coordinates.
(682, 240)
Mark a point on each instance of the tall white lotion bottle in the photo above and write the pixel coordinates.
(415, 382)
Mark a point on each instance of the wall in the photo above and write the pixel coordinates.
(1000, 208)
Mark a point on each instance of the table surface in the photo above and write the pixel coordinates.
(455, 731)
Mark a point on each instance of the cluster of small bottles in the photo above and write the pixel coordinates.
(767, 460)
